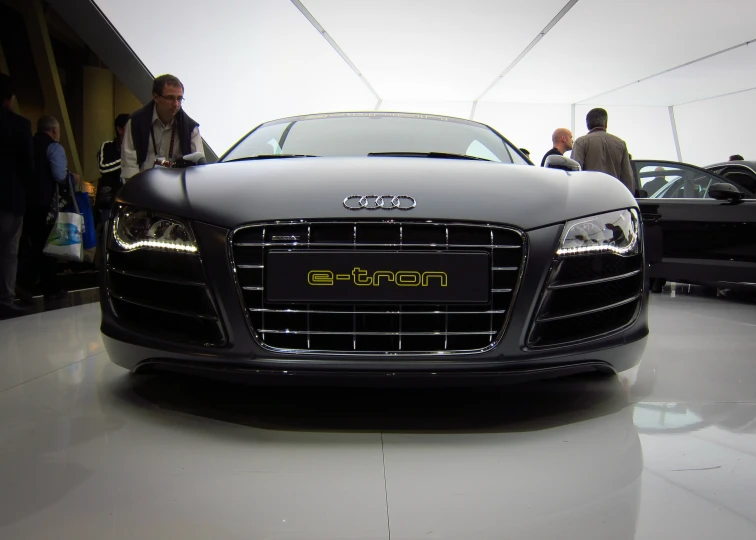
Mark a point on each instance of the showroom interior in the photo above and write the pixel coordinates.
(236, 413)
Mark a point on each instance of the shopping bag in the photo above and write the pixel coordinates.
(64, 240)
(89, 235)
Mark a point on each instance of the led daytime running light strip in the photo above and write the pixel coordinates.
(581, 250)
(150, 243)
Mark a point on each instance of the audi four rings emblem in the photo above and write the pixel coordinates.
(382, 202)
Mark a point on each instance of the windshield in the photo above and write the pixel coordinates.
(360, 134)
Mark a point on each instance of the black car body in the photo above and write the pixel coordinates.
(415, 262)
(693, 237)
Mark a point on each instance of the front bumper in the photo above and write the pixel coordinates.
(241, 355)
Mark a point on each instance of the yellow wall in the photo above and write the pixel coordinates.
(98, 117)
(125, 101)
(105, 98)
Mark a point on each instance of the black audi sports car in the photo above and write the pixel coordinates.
(699, 223)
(375, 245)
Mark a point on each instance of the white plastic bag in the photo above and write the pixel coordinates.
(64, 241)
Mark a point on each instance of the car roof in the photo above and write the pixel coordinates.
(745, 163)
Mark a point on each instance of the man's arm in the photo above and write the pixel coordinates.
(105, 162)
(58, 163)
(578, 152)
(196, 143)
(626, 171)
(129, 166)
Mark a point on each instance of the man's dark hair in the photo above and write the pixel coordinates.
(121, 120)
(736, 157)
(159, 83)
(6, 87)
(596, 118)
(47, 123)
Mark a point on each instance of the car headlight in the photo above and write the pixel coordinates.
(136, 228)
(614, 232)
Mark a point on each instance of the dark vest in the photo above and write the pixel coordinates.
(42, 191)
(141, 122)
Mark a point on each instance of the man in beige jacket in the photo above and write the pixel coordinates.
(603, 152)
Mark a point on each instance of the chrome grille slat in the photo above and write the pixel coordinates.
(401, 242)
(333, 312)
(446, 314)
(309, 235)
(346, 245)
(365, 333)
(491, 317)
(354, 308)
(369, 329)
(262, 281)
(594, 281)
(163, 309)
(589, 311)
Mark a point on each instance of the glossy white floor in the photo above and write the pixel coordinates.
(89, 452)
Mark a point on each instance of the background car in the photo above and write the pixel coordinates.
(382, 246)
(700, 224)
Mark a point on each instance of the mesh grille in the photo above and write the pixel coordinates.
(412, 329)
(163, 295)
(587, 297)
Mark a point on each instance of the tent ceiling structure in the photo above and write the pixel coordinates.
(244, 62)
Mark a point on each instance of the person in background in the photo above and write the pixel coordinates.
(160, 130)
(562, 141)
(603, 152)
(736, 157)
(657, 183)
(109, 162)
(16, 172)
(52, 177)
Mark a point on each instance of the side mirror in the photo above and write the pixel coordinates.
(561, 162)
(642, 194)
(725, 192)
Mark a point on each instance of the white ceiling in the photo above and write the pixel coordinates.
(247, 61)
(432, 50)
(726, 73)
(601, 45)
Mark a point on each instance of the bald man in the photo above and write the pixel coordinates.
(562, 139)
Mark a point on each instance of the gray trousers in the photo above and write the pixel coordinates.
(10, 235)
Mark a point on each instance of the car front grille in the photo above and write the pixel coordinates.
(163, 295)
(587, 297)
(377, 328)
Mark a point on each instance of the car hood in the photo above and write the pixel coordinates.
(230, 194)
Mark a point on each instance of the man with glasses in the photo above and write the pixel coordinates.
(160, 132)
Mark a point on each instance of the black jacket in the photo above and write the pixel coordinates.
(552, 152)
(141, 122)
(16, 161)
(109, 162)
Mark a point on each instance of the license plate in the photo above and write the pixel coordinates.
(375, 276)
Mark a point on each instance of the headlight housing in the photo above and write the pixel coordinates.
(137, 228)
(614, 232)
